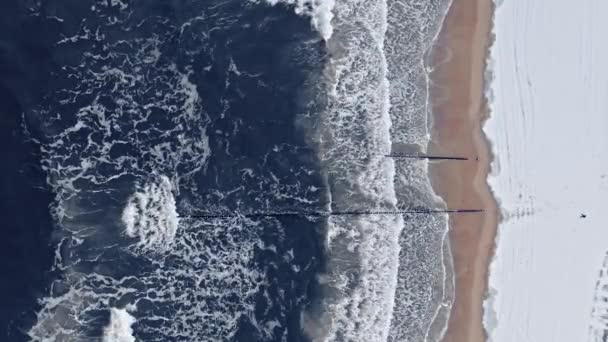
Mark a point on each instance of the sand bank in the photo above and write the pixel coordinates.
(459, 109)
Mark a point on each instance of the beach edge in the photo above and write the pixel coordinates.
(459, 56)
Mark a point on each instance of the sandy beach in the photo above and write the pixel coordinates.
(459, 109)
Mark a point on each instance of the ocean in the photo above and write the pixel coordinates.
(141, 135)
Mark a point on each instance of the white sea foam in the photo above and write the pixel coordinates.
(151, 216)
(424, 289)
(364, 281)
(354, 137)
(548, 132)
(190, 294)
(119, 133)
(119, 328)
(319, 11)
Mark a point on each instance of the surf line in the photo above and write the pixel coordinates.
(333, 213)
(415, 156)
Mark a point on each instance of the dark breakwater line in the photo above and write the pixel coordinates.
(333, 213)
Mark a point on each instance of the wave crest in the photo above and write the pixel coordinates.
(319, 11)
(119, 329)
(151, 216)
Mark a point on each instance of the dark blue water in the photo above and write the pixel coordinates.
(24, 247)
(25, 252)
(105, 101)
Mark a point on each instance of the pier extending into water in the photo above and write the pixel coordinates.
(305, 213)
(416, 156)
(332, 213)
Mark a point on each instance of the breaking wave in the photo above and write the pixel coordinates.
(119, 328)
(388, 277)
(362, 252)
(319, 11)
(151, 215)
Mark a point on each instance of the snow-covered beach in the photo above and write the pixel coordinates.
(549, 133)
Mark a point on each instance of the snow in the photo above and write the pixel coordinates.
(549, 134)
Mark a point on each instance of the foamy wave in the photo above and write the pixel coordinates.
(359, 287)
(119, 329)
(151, 216)
(319, 11)
(425, 289)
(117, 119)
(189, 294)
(386, 276)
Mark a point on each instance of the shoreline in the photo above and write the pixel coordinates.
(458, 110)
